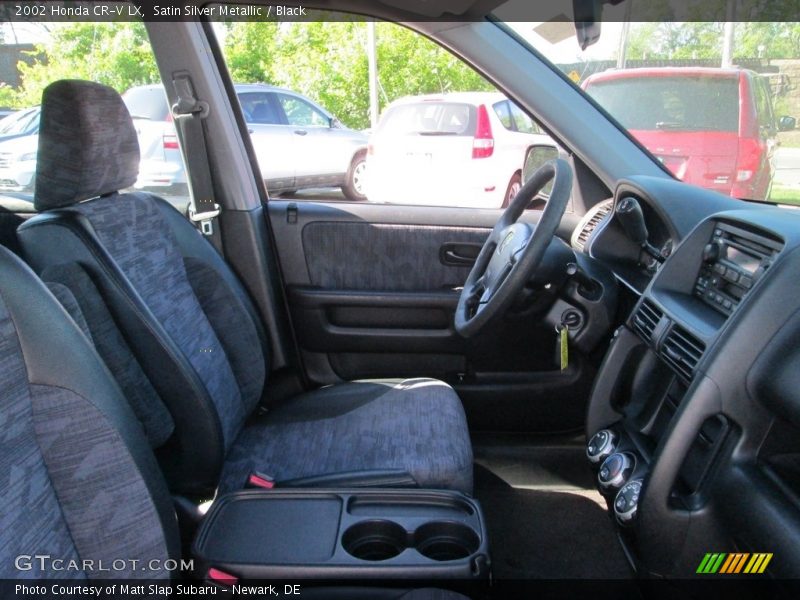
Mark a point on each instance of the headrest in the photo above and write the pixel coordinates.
(87, 144)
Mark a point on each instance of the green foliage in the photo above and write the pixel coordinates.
(116, 54)
(670, 40)
(327, 61)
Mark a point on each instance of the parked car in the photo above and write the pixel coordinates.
(711, 127)
(161, 163)
(20, 123)
(457, 149)
(298, 143)
(18, 162)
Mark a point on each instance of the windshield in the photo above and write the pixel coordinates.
(714, 102)
(428, 118)
(689, 103)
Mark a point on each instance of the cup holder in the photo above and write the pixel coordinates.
(374, 540)
(443, 541)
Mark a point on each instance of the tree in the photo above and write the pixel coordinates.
(327, 61)
(116, 54)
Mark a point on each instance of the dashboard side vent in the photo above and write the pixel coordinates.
(682, 351)
(601, 212)
(646, 320)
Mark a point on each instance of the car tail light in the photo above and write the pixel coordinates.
(170, 142)
(483, 144)
(748, 164)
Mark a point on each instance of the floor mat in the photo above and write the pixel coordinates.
(545, 519)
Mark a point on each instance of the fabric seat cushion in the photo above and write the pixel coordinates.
(414, 425)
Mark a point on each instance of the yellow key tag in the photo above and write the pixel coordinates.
(564, 334)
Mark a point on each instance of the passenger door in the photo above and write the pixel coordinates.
(372, 291)
(316, 146)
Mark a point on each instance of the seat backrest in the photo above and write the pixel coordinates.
(181, 311)
(78, 480)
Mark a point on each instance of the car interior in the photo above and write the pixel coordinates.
(374, 401)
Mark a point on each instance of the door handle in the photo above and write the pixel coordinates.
(458, 254)
(300, 131)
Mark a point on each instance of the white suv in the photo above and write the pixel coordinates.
(457, 149)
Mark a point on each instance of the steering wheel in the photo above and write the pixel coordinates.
(513, 250)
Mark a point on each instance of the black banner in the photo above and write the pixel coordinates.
(404, 10)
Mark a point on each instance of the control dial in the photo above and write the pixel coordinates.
(615, 470)
(712, 252)
(627, 501)
(601, 446)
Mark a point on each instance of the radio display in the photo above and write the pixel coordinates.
(743, 260)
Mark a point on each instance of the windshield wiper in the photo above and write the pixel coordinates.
(437, 133)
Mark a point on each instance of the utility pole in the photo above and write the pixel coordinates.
(728, 34)
(372, 61)
(622, 51)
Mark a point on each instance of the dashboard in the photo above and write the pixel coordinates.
(693, 425)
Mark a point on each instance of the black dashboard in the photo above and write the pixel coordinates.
(694, 419)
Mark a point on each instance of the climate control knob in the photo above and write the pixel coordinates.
(601, 445)
(615, 470)
(627, 501)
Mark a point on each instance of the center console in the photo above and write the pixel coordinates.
(656, 429)
(344, 534)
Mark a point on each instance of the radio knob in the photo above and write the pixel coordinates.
(712, 252)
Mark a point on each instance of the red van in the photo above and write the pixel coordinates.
(711, 127)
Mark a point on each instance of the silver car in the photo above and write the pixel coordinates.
(298, 143)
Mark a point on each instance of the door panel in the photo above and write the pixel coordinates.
(384, 256)
(372, 290)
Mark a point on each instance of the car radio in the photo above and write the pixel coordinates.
(733, 260)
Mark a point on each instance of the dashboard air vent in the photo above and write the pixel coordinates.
(682, 351)
(646, 319)
(601, 211)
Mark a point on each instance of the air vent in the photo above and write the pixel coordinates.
(600, 212)
(682, 351)
(646, 319)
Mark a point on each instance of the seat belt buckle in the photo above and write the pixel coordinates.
(259, 480)
(206, 219)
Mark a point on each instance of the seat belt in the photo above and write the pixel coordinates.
(189, 115)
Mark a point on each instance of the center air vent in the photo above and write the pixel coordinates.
(682, 351)
(599, 213)
(646, 319)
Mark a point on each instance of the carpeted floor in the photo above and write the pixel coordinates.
(544, 517)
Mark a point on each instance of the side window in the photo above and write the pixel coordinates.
(259, 108)
(116, 54)
(522, 121)
(421, 128)
(764, 105)
(300, 113)
(504, 114)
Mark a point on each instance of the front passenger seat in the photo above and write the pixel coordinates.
(199, 339)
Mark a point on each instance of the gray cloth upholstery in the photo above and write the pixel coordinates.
(196, 318)
(233, 326)
(67, 299)
(109, 512)
(31, 521)
(74, 483)
(73, 287)
(416, 425)
(87, 144)
(368, 256)
(132, 231)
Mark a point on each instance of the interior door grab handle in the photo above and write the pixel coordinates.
(457, 254)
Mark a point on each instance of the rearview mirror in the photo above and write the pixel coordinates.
(335, 123)
(786, 123)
